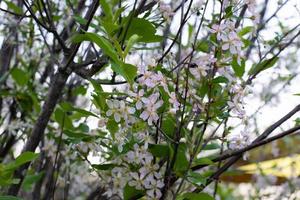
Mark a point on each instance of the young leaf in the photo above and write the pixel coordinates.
(239, 69)
(195, 196)
(143, 28)
(62, 118)
(83, 113)
(16, 9)
(263, 65)
(132, 193)
(203, 161)
(181, 162)
(107, 10)
(196, 178)
(128, 71)
(26, 157)
(105, 45)
(159, 150)
(103, 166)
(245, 30)
(8, 197)
(203, 46)
(132, 40)
(30, 180)
(20, 76)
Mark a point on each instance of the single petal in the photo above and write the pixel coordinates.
(144, 115)
(117, 117)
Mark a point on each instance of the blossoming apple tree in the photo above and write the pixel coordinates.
(107, 99)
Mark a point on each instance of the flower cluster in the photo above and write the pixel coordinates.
(166, 10)
(226, 33)
(151, 105)
(237, 102)
(119, 109)
(145, 176)
(238, 140)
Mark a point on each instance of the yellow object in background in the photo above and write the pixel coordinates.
(281, 167)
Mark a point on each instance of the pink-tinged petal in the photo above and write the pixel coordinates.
(160, 184)
(158, 194)
(222, 37)
(225, 46)
(144, 115)
(150, 121)
(138, 105)
(145, 100)
(135, 175)
(154, 116)
(131, 183)
(108, 113)
(153, 98)
(233, 50)
(116, 104)
(141, 92)
(215, 27)
(110, 104)
(158, 104)
(222, 26)
(117, 117)
(131, 110)
(151, 193)
(230, 104)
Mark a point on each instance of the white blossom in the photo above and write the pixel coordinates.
(151, 105)
(199, 71)
(239, 140)
(232, 43)
(173, 101)
(153, 187)
(137, 180)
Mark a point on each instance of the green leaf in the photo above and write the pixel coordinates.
(62, 118)
(30, 180)
(103, 166)
(20, 76)
(83, 113)
(84, 127)
(159, 150)
(203, 46)
(203, 161)
(107, 10)
(80, 20)
(239, 69)
(8, 197)
(196, 178)
(228, 12)
(105, 45)
(220, 79)
(26, 157)
(132, 40)
(169, 125)
(195, 196)
(109, 27)
(212, 146)
(181, 162)
(76, 137)
(16, 9)
(128, 71)
(143, 28)
(245, 30)
(132, 193)
(112, 126)
(263, 65)
(204, 88)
